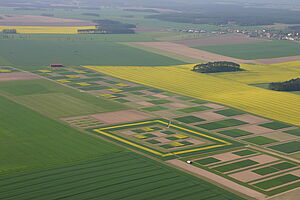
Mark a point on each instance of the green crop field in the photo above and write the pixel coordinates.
(55, 100)
(294, 132)
(29, 140)
(189, 119)
(230, 112)
(275, 125)
(260, 140)
(194, 109)
(258, 50)
(207, 161)
(289, 147)
(221, 124)
(277, 181)
(78, 52)
(235, 165)
(235, 133)
(127, 176)
(244, 152)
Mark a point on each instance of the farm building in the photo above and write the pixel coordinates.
(56, 65)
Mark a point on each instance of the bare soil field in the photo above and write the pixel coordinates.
(14, 76)
(278, 60)
(190, 52)
(31, 20)
(220, 40)
(121, 116)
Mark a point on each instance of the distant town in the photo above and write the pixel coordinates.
(265, 33)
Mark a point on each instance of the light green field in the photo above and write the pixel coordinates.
(59, 105)
(3, 61)
(258, 50)
(29, 140)
(55, 100)
(41, 52)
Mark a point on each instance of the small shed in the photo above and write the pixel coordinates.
(56, 65)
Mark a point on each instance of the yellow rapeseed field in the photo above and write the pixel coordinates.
(280, 106)
(263, 73)
(46, 29)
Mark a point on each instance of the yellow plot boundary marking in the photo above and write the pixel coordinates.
(101, 131)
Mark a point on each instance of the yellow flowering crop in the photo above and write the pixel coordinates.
(5, 70)
(46, 29)
(282, 106)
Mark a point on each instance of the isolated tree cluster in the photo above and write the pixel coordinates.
(214, 67)
(291, 85)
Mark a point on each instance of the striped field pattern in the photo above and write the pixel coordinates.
(126, 176)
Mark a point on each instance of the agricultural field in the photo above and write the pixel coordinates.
(259, 73)
(30, 137)
(54, 100)
(125, 117)
(77, 51)
(282, 106)
(253, 51)
(253, 169)
(152, 121)
(115, 176)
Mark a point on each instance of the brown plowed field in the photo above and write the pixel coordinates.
(31, 20)
(220, 40)
(191, 52)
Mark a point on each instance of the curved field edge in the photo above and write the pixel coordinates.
(179, 79)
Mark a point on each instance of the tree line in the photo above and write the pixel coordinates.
(220, 66)
(109, 27)
(290, 85)
(226, 15)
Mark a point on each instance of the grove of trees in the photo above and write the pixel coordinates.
(291, 85)
(220, 66)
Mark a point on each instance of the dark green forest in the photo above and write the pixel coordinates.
(233, 14)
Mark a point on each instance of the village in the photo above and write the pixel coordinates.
(264, 33)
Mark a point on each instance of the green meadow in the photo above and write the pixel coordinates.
(41, 52)
(259, 50)
(29, 140)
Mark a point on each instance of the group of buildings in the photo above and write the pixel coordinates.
(264, 33)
